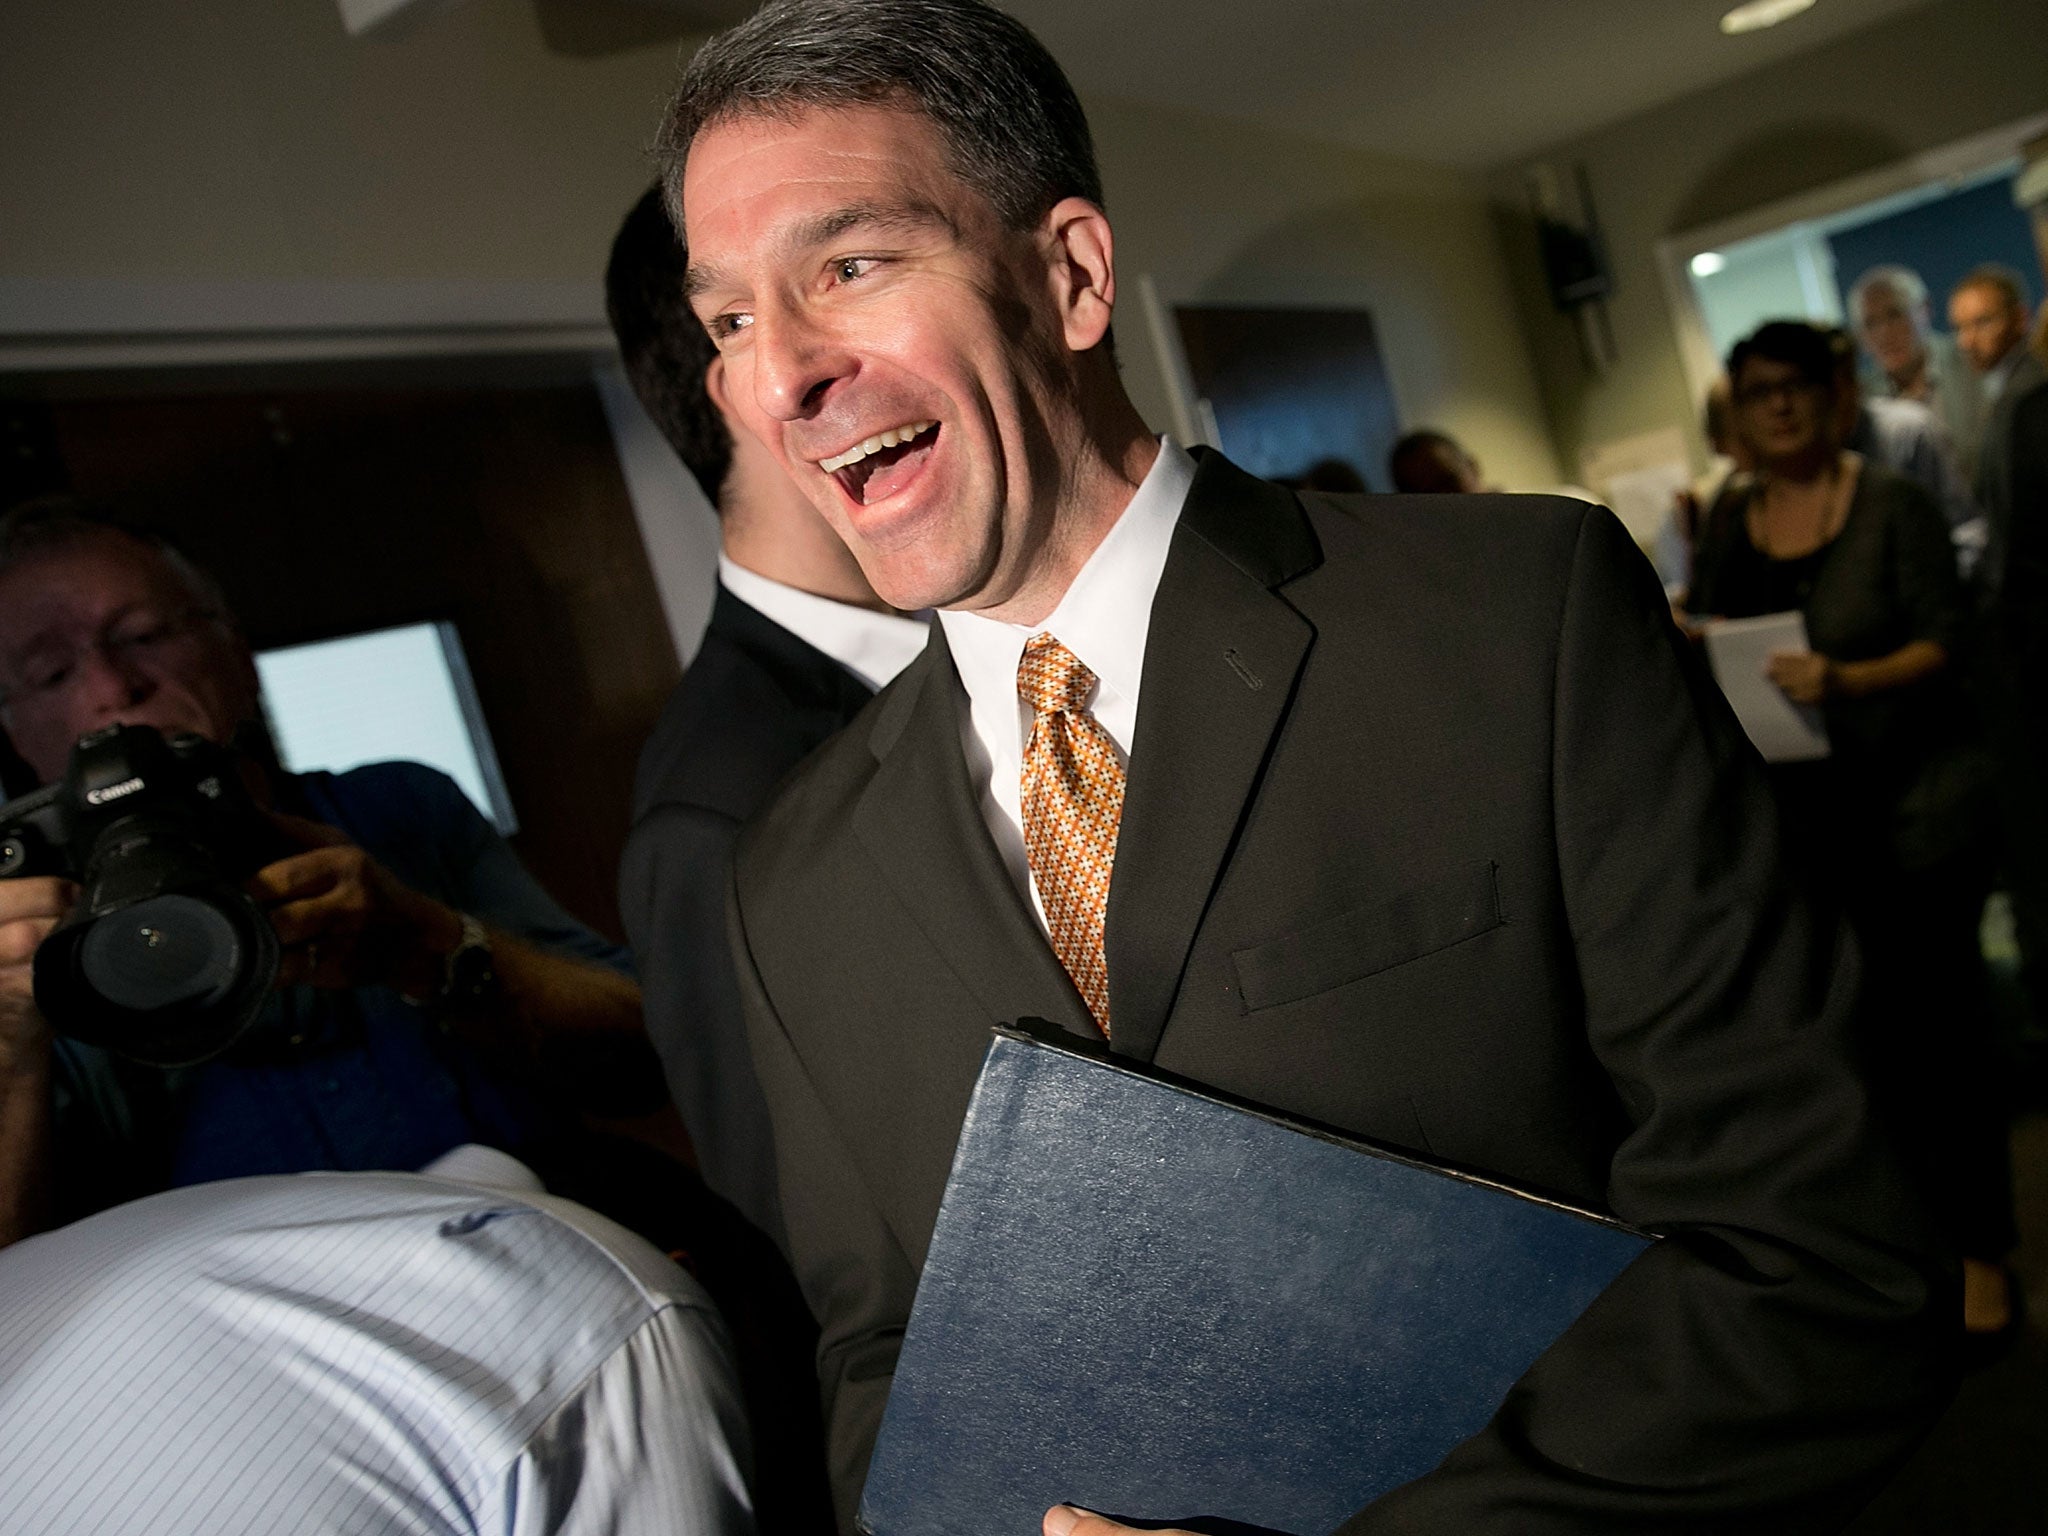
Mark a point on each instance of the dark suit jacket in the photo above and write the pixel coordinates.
(753, 703)
(1431, 834)
(2024, 593)
(2007, 459)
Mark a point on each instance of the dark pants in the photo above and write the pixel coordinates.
(1926, 1026)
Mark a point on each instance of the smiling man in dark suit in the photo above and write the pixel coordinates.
(1402, 815)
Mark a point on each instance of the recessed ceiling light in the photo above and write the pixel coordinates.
(1758, 14)
(1707, 263)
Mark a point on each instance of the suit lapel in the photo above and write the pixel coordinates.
(811, 678)
(920, 820)
(1221, 660)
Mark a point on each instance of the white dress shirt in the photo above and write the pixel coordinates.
(874, 646)
(330, 1353)
(2000, 373)
(1103, 619)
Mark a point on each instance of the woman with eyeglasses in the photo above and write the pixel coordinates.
(1894, 823)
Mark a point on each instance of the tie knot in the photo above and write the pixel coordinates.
(1051, 678)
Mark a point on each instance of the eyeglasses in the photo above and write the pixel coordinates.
(1776, 389)
(133, 640)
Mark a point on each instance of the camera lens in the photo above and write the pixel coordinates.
(160, 953)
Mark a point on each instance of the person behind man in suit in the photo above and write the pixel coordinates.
(1913, 361)
(1401, 815)
(797, 644)
(1908, 438)
(1436, 463)
(1989, 312)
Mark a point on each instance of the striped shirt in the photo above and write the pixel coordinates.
(361, 1352)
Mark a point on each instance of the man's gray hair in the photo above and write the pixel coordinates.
(1010, 121)
(1903, 282)
(56, 524)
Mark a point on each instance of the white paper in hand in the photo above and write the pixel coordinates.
(1739, 650)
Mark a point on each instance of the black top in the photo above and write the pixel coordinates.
(1886, 579)
(1761, 583)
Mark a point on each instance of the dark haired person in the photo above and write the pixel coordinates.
(1989, 311)
(797, 645)
(1432, 464)
(1895, 820)
(1126, 774)
(423, 967)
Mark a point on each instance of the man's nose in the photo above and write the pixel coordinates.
(105, 681)
(796, 363)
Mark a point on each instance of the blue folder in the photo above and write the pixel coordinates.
(1167, 1307)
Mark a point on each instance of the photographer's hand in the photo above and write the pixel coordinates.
(346, 921)
(29, 909)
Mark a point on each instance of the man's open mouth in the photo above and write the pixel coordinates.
(881, 465)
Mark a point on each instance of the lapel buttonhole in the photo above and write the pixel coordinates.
(1252, 680)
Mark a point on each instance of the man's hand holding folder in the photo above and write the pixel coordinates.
(1066, 1520)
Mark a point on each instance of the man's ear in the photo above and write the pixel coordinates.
(714, 386)
(1082, 252)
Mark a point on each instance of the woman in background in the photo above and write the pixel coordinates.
(1893, 823)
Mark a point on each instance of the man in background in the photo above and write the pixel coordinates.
(349, 1352)
(797, 644)
(1889, 313)
(428, 989)
(1906, 437)
(1989, 312)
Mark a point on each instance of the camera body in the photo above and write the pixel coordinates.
(166, 959)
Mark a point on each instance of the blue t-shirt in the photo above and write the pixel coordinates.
(326, 1079)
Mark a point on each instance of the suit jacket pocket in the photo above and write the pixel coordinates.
(1370, 939)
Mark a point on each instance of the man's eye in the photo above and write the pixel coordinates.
(725, 326)
(45, 673)
(142, 636)
(851, 269)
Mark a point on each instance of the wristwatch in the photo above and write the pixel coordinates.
(467, 973)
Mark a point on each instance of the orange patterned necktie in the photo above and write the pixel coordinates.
(1073, 797)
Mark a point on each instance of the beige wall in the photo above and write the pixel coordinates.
(1221, 213)
(221, 140)
(226, 141)
(1917, 83)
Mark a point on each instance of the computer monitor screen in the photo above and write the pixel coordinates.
(385, 694)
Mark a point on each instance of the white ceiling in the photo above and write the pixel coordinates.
(1463, 82)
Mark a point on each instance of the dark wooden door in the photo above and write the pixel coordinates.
(327, 510)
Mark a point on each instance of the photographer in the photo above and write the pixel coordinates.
(427, 984)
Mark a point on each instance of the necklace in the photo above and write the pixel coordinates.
(1826, 519)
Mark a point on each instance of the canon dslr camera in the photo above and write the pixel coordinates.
(165, 959)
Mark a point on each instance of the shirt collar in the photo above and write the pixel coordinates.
(1107, 610)
(2000, 373)
(872, 645)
